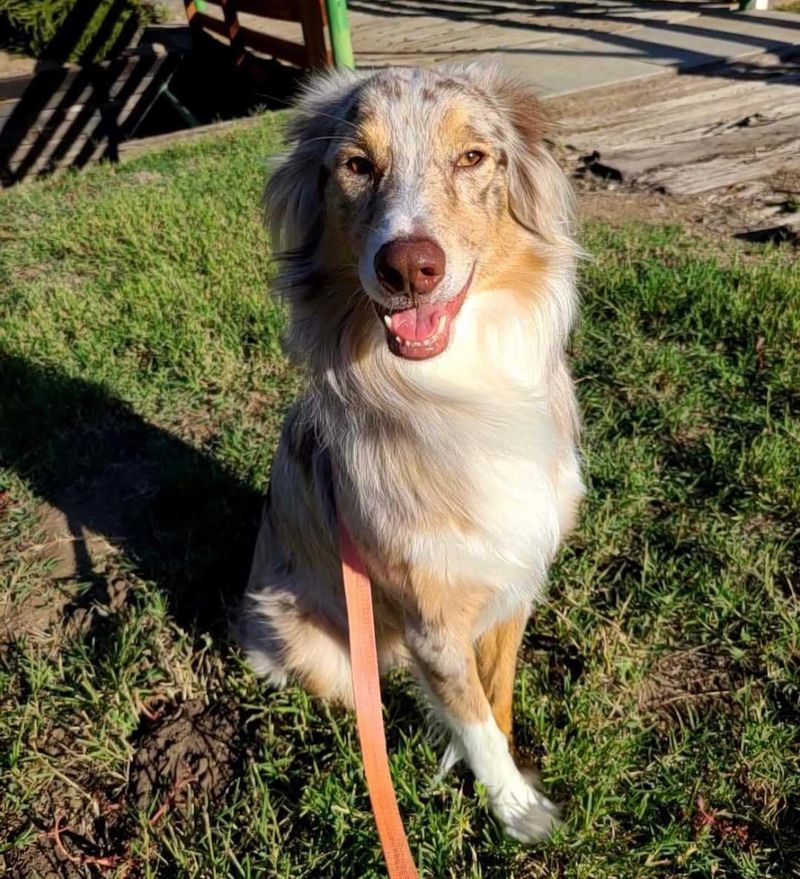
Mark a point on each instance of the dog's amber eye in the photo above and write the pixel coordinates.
(359, 165)
(470, 159)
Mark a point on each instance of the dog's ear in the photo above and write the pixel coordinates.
(540, 196)
(293, 196)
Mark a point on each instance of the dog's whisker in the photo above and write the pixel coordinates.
(327, 138)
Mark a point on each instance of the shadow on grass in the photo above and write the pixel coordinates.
(181, 520)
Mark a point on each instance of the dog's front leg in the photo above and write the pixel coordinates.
(496, 652)
(450, 671)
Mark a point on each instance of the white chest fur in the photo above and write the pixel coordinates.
(476, 487)
(472, 497)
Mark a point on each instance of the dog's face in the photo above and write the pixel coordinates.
(420, 184)
(417, 188)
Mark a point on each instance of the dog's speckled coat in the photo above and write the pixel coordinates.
(457, 475)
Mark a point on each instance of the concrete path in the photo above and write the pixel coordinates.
(561, 46)
(565, 47)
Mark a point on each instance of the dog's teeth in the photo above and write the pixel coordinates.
(388, 321)
(440, 326)
(399, 340)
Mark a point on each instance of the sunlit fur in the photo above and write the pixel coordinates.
(457, 476)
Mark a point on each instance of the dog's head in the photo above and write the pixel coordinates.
(416, 189)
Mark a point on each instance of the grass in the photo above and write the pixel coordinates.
(141, 389)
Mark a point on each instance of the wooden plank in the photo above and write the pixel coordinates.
(682, 110)
(632, 163)
(701, 165)
(314, 19)
(14, 154)
(233, 30)
(133, 148)
(285, 50)
(602, 102)
(214, 25)
(44, 166)
(46, 88)
(475, 37)
(688, 118)
(29, 132)
(427, 33)
(48, 124)
(35, 143)
(81, 85)
(280, 10)
(724, 171)
(785, 227)
(313, 52)
(98, 134)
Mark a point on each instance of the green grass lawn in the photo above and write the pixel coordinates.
(141, 390)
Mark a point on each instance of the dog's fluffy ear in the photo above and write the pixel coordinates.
(540, 196)
(293, 196)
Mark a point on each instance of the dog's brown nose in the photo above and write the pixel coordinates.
(411, 266)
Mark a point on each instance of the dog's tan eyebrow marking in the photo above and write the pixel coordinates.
(457, 131)
(374, 136)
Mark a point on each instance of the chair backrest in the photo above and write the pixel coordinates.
(221, 18)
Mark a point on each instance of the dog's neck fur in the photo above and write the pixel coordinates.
(507, 345)
(424, 431)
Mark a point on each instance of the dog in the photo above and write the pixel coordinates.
(427, 257)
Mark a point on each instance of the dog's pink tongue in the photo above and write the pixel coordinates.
(417, 324)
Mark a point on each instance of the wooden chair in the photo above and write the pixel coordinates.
(311, 14)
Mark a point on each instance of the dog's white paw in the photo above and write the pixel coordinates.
(525, 813)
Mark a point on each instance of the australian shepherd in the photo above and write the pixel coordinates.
(427, 258)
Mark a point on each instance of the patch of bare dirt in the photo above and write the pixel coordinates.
(31, 615)
(682, 681)
(199, 746)
(191, 749)
(614, 206)
(64, 543)
(40, 860)
(719, 216)
(103, 497)
(75, 833)
(92, 843)
(54, 607)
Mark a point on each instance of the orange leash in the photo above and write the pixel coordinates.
(369, 711)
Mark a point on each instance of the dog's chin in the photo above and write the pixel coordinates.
(421, 331)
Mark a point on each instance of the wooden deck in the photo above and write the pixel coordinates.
(729, 139)
(562, 47)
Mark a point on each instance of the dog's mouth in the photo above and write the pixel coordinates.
(422, 331)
